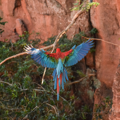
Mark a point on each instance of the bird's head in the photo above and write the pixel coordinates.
(58, 50)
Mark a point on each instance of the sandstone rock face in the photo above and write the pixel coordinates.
(20, 27)
(47, 17)
(106, 19)
(99, 98)
(115, 111)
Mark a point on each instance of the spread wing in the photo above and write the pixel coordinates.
(68, 52)
(78, 53)
(41, 57)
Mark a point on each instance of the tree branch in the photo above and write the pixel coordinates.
(57, 113)
(5, 82)
(77, 81)
(14, 56)
(101, 40)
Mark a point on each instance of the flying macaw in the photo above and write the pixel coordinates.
(59, 61)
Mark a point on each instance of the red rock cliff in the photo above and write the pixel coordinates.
(48, 17)
(106, 18)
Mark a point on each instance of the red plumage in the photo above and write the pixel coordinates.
(58, 87)
(59, 54)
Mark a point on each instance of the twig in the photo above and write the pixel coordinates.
(5, 82)
(30, 112)
(26, 116)
(43, 75)
(14, 56)
(7, 108)
(1, 81)
(39, 85)
(77, 81)
(53, 108)
(101, 40)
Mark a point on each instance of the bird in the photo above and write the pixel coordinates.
(59, 60)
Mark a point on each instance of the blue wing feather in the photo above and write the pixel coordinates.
(78, 53)
(40, 57)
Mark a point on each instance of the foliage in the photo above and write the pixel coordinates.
(89, 5)
(93, 31)
(90, 83)
(103, 108)
(80, 73)
(2, 23)
(22, 95)
(79, 5)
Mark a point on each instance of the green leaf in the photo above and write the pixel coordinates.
(76, 3)
(72, 97)
(93, 31)
(81, 73)
(75, 8)
(83, 116)
(1, 18)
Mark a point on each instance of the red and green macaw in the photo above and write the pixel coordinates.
(59, 61)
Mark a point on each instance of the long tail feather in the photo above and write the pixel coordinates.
(58, 88)
(59, 80)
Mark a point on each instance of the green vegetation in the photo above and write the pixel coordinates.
(102, 109)
(2, 23)
(85, 5)
(94, 31)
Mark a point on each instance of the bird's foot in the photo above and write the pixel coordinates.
(28, 48)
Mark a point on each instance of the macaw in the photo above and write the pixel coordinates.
(59, 61)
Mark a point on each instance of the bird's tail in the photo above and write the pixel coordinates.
(59, 80)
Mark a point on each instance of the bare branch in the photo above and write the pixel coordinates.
(43, 75)
(77, 81)
(5, 82)
(53, 108)
(26, 116)
(14, 56)
(101, 40)
(23, 53)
